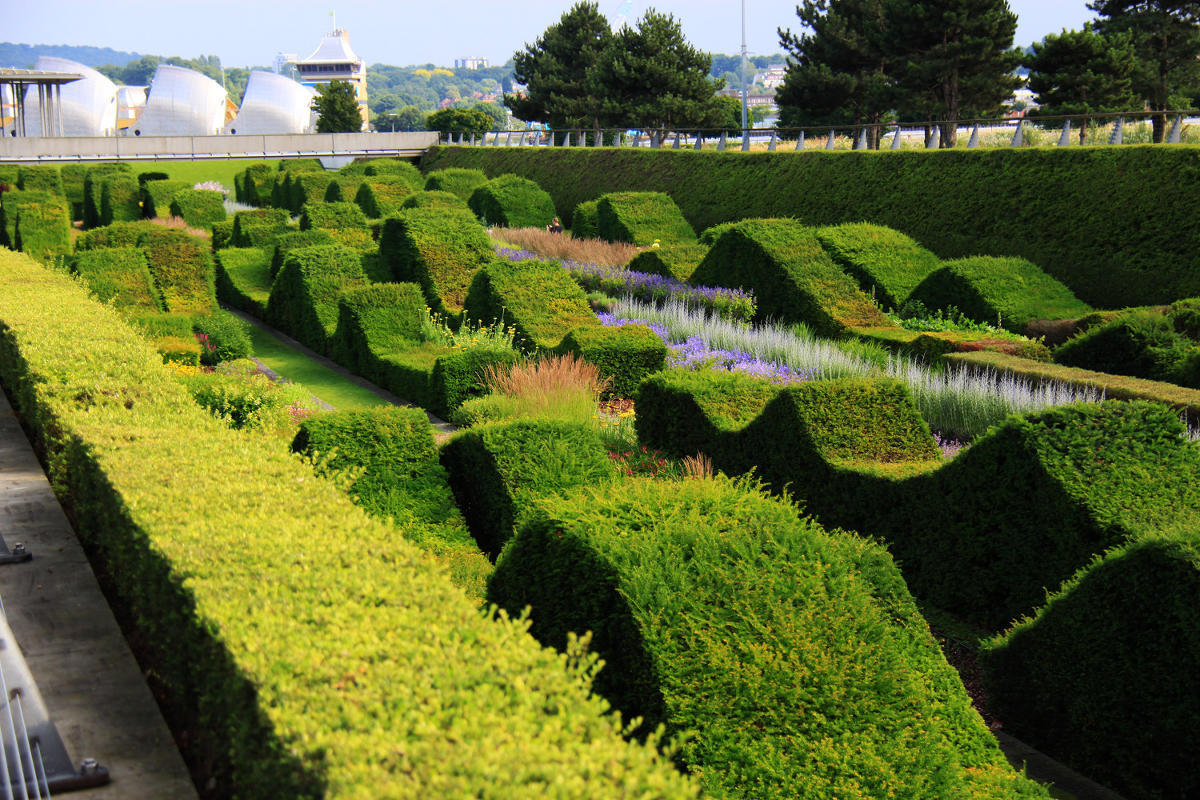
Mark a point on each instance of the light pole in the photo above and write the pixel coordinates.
(744, 114)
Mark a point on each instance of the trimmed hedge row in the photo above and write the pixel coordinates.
(157, 196)
(119, 275)
(304, 297)
(40, 178)
(642, 218)
(791, 275)
(120, 198)
(401, 479)
(338, 665)
(381, 196)
(43, 230)
(1111, 223)
(499, 470)
(73, 177)
(258, 228)
(887, 264)
(92, 185)
(182, 268)
(585, 220)
(11, 204)
(244, 279)
(289, 240)
(1102, 677)
(431, 198)
(795, 659)
(332, 216)
(1032, 501)
(1141, 344)
(199, 208)
(676, 261)
(512, 202)
(459, 182)
(439, 248)
(302, 188)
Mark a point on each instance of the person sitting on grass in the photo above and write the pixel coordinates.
(555, 226)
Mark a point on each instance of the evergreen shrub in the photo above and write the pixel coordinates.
(198, 207)
(92, 189)
(791, 275)
(120, 198)
(224, 337)
(40, 178)
(1143, 344)
(222, 234)
(332, 216)
(43, 230)
(624, 354)
(147, 177)
(182, 268)
(395, 168)
(119, 275)
(642, 218)
(676, 261)
(439, 248)
(887, 264)
(257, 228)
(157, 196)
(374, 321)
(381, 196)
(289, 240)
(538, 299)
(244, 279)
(795, 659)
(306, 187)
(11, 204)
(429, 198)
(119, 234)
(459, 182)
(512, 202)
(304, 297)
(585, 220)
(256, 182)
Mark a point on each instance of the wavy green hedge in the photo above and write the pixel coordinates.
(676, 261)
(182, 268)
(512, 202)
(985, 535)
(1103, 676)
(430, 198)
(381, 196)
(1112, 223)
(40, 178)
(120, 198)
(199, 208)
(119, 275)
(439, 248)
(304, 297)
(641, 218)
(887, 264)
(92, 182)
(796, 659)
(244, 279)
(332, 216)
(43, 230)
(11, 204)
(157, 195)
(321, 654)
(259, 227)
(458, 182)
(792, 277)
(304, 187)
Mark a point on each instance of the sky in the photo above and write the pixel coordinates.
(403, 32)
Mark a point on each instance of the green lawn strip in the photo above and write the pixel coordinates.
(219, 170)
(322, 381)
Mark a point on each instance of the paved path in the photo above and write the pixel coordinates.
(91, 684)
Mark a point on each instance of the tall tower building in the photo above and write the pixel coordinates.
(333, 60)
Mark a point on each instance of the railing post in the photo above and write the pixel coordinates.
(935, 141)
(1064, 140)
(1176, 134)
(508, 139)
(699, 145)
(829, 143)
(745, 140)
(721, 141)
(861, 142)
(1118, 132)
(896, 139)
(1019, 137)
(521, 139)
(675, 146)
(771, 144)
(800, 141)
(973, 142)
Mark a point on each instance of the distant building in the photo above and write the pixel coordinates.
(772, 77)
(470, 63)
(283, 62)
(333, 60)
(182, 102)
(274, 104)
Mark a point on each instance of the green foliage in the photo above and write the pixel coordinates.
(467, 122)
(290, 240)
(1052, 206)
(1009, 292)
(433, 198)
(43, 230)
(259, 227)
(198, 207)
(306, 187)
(499, 471)
(792, 276)
(337, 108)
(624, 355)
(73, 176)
(304, 297)
(1033, 500)
(795, 659)
(119, 234)
(585, 220)
(439, 248)
(157, 196)
(1142, 344)
(222, 234)
(255, 184)
(676, 261)
(381, 196)
(119, 275)
(512, 202)
(887, 264)
(556, 71)
(399, 478)
(1117, 643)
(332, 216)
(120, 198)
(223, 337)
(182, 268)
(394, 168)
(243, 402)
(375, 321)
(40, 178)
(1079, 72)
(538, 299)
(92, 189)
(642, 218)
(147, 177)
(1185, 317)
(244, 279)
(457, 181)
(11, 204)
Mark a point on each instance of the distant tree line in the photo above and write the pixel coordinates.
(865, 62)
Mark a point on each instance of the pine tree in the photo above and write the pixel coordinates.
(337, 108)
(1166, 41)
(953, 56)
(554, 70)
(1082, 72)
(839, 70)
(650, 78)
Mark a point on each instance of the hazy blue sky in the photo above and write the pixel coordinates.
(249, 32)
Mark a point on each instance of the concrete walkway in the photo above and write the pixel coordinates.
(92, 686)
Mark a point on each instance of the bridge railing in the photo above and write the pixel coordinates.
(1112, 128)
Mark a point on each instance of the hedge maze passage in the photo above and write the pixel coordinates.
(708, 486)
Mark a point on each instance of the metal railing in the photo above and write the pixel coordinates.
(1113, 128)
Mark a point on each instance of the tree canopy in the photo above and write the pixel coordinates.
(337, 108)
(1082, 72)
(465, 121)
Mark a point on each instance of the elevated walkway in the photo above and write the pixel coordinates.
(59, 149)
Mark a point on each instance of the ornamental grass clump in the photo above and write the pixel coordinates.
(556, 386)
(567, 247)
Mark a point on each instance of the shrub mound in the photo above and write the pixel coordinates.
(459, 182)
(120, 198)
(157, 196)
(304, 297)
(887, 264)
(198, 207)
(259, 227)
(1143, 344)
(305, 187)
(796, 658)
(290, 240)
(585, 220)
(40, 178)
(92, 189)
(332, 217)
(512, 202)
(244, 279)
(430, 198)
(119, 275)
(791, 275)
(676, 261)
(11, 204)
(298, 660)
(1118, 643)
(439, 248)
(499, 470)
(642, 218)
(381, 196)
(43, 230)
(1007, 292)
(182, 268)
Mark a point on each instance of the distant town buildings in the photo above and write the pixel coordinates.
(283, 62)
(470, 63)
(334, 60)
(771, 77)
